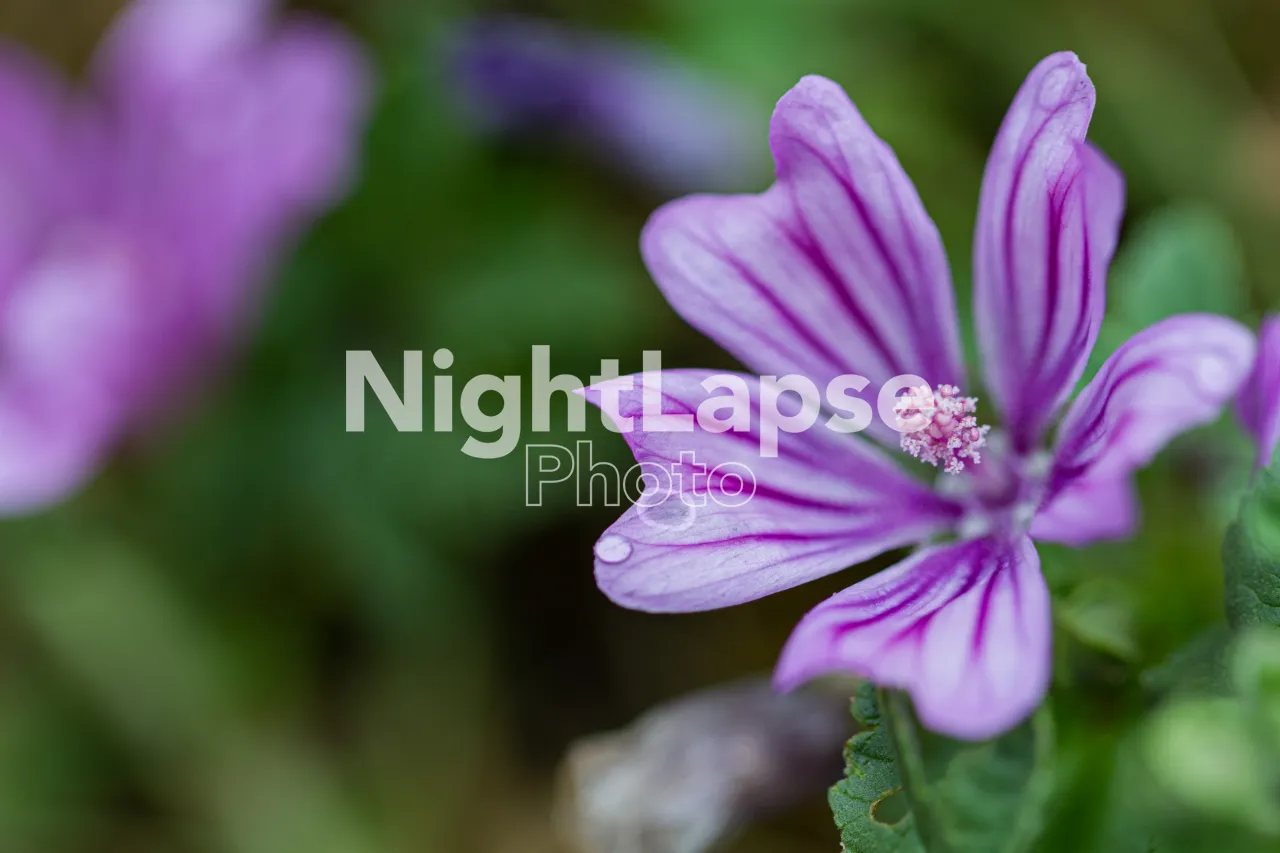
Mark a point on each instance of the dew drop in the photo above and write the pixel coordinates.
(613, 549)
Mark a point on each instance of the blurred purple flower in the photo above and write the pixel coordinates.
(136, 217)
(624, 102)
(690, 772)
(838, 269)
(1259, 404)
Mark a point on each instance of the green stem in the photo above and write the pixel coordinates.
(903, 734)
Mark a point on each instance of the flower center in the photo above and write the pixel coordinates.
(939, 427)
(1003, 494)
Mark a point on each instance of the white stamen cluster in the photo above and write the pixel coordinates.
(939, 427)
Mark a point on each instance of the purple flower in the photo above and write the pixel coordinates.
(1259, 403)
(645, 111)
(837, 269)
(136, 217)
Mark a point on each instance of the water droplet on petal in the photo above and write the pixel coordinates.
(613, 549)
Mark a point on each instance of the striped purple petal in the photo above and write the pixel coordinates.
(1047, 227)
(1170, 377)
(1089, 510)
(964, 628)
(1259, 403)
(825, 502)
(835, 269)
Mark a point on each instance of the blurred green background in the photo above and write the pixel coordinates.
(257, 633)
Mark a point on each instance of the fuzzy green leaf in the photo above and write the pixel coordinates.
(1251, 557)
(1221, 755)
(861, 802)
(1199, 667)
(988, 797)
(1183, 259)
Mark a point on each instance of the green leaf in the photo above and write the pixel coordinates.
(1198, 667)
(989, 797)
(1251, 557)
(1100, 613)
(1255, 672)
(861, 802)
(1181, 260)
(1220, 755)
(1203, 753)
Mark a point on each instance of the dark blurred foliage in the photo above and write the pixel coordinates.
(257, 632)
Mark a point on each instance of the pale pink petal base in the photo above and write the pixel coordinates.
(964, 628)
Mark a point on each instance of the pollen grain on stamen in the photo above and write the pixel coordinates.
(939, 427)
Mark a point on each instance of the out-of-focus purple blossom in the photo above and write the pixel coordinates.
(689, 773)
(1259, 404)
(837, 269)
(627, 103)
(137, 216)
